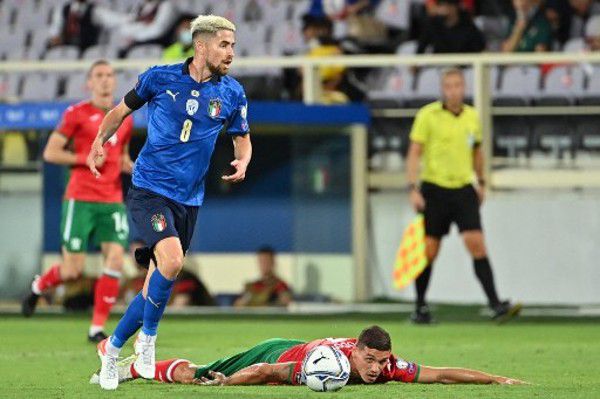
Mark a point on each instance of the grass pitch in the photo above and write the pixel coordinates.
(47, 356)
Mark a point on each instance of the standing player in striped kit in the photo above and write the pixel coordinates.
(91, 206)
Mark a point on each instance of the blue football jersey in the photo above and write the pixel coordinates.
(184, 120)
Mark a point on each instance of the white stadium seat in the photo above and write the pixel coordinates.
(39, 87)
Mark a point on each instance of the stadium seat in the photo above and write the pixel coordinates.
(10, 86)
(556, 135)
(38, 43)
(75, 87)
(126, 81)
(394, 13)
(407, 48)
(299, 8)
(62, 53)
(588, 132)
(13, 43)
(39, 87)
(145, 51)
(251, 38)
(377, 153)
(512, 136)
(575, 45)
(427, 88)
(190, 6)
(562, 85)
(518, 86)
(253, 12)
(19, 53)
(391, 87)
(287, 39)
(591, 94)
(493, 27)
(230, 9)
(99, 51)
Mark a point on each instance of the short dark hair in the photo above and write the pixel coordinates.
(266, 249)
(451, 2)
(95, 64)
(375, 337)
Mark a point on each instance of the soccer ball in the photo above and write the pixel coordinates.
(325, 369)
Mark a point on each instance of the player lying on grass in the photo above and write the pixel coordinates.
(279, 361)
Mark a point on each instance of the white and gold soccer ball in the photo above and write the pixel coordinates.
(325, 369)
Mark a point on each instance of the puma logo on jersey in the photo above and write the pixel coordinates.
(95, 117)
(169, 92)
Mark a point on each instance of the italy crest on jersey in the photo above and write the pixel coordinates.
(214, 108)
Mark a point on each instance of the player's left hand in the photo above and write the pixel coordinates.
(240, 172)
(96, 157)
(510, 381)
(217, 379)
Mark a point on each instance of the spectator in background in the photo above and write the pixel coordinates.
(183, 46)
(318, 35)
(529, 29)
(269, 289)
(75, 23)
(80, 22)
(568, 17)
(358, 15)
(592, 33)
(451, 30)
(152, 24)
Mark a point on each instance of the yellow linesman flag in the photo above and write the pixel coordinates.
(410, 258)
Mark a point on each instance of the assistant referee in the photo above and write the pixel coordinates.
(446, 140)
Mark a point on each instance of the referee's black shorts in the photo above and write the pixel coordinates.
(444, 206)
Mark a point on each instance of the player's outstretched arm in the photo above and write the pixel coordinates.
(111, 122)
(257, 374)
(243, 153)
(451, 375)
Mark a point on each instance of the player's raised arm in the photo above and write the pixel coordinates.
(257, 374)
(451, 375)
(111, 122)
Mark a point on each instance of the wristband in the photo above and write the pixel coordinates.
(413, 186)
(481, 182)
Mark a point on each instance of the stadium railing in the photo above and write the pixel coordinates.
(482, 99)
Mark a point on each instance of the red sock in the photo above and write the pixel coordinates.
(48, 280)
(105, 296)
(164, 369)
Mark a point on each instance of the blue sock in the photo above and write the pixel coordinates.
(130, 322)
(159, 291)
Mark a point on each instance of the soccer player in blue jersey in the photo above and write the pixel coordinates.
(188, 105)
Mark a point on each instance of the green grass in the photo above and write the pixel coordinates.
(47, 356)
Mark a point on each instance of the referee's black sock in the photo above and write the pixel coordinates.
(483, 271)
(421, 283)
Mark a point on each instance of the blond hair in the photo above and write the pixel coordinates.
(210, 24)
